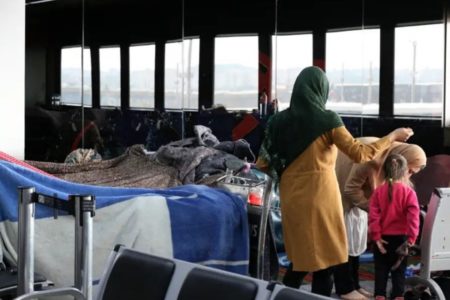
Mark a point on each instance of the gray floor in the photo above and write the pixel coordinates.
(368, 285)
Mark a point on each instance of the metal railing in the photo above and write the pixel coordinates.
(82, 207)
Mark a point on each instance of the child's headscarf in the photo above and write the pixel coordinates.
(291, 131)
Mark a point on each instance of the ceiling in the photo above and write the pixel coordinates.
(122, 21)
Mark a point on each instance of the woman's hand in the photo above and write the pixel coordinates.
(401, 134)
(380, 245)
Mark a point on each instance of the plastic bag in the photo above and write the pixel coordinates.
(356, 225)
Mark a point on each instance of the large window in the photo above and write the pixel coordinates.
(110, 76)
(181, 74)
(419, 70)
(71, 91)
(236, 72)
(353, 68)
(290, 54)
(142, 76)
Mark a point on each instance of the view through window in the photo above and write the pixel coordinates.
(236, 72)
(353, 69)
(71, 76)
(142, 76)
(292, 53)
(419, 70)
(110, 76)
(181, 76)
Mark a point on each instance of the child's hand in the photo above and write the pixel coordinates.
(380, 246)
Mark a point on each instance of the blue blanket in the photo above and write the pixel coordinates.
(194, 223)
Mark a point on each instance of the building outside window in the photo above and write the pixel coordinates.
(353, 69)
(110, 76)
(71, 91)
(236, 72)
(181, 74)
(142, 76)
(419, 70)
(290, 54)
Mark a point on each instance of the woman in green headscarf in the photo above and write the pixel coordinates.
(300, 147)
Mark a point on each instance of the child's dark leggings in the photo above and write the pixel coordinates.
(383, 264)
(322, 282)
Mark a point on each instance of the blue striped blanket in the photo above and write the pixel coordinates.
(193, 222)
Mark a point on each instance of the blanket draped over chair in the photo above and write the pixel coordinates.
(193, 222)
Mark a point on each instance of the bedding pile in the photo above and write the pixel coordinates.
(193, 222)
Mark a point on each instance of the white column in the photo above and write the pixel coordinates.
(12, 77)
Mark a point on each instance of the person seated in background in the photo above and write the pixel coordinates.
(357, 183)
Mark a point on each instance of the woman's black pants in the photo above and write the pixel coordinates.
(346, 276)
(322, 282)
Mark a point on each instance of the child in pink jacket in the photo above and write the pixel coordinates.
(393, 221)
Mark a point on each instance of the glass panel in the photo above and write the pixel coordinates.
(110, 76)
(293, 53)
(173, 80)
(236, 72)
(142, 76)
(191, 65)
(172, 75)
(446, 118)
(71, 76)
(353, 71)
(419, 70)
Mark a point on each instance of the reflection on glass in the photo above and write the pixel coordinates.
(293, 53)
(353, 69)
(419, 70)
(110, 76)
(191, 66)
(71, 76)
(174, 74)
(142, 76)
(236, 72)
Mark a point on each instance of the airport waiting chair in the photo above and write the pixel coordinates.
(135, 275)
(190, 281)
(435, 242)
(207, 284)
(131, 274)
(193, 281)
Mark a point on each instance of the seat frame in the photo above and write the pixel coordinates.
(435, 242)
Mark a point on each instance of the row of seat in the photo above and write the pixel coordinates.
(136, 275)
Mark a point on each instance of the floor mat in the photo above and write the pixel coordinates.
(366, 270)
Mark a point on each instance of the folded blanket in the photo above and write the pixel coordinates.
(194, 223)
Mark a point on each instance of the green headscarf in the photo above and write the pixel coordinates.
(291, 131)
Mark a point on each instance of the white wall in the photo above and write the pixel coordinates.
(12, 77)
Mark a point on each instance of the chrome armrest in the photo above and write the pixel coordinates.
(53, 293)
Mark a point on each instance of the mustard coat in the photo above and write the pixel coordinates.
(311, 207)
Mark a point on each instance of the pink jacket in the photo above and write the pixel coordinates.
(399, 217)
